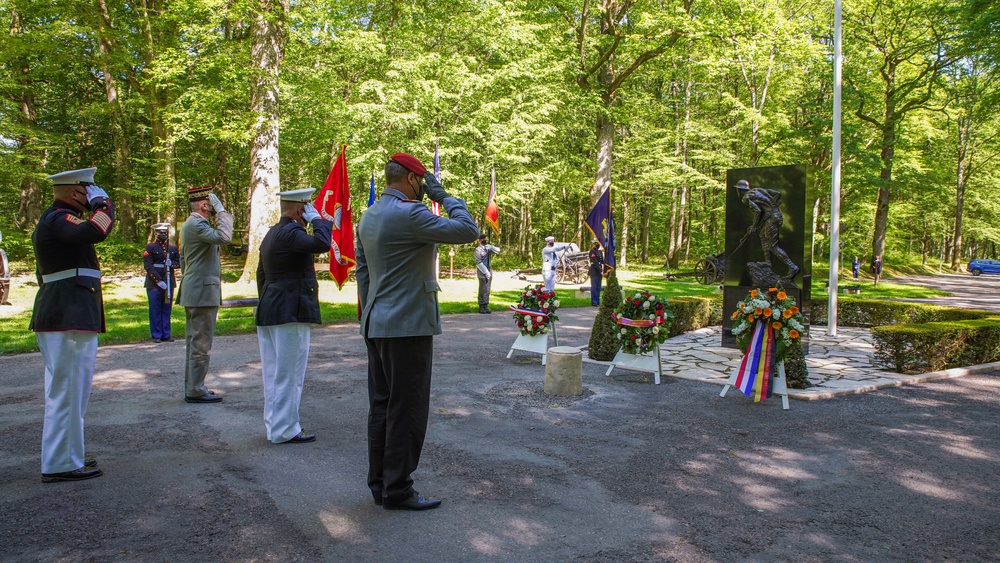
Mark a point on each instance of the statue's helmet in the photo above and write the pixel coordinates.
(742, 185)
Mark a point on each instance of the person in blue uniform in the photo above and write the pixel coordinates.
(596, 273)
(397, 292)
(160, 259)
(289, 304)
(67, 316)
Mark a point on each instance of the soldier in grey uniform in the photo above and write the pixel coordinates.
(200, 290)
(68, 314)
(289, 302)
(397, 291)
(484, 272)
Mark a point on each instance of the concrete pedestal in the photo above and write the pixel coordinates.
(564, 371)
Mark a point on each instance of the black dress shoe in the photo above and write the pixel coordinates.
(209, 397)
(378, 500)
(89, 461)
(301, 438)
(157, 340)
(78, 475)
(167, 339)
(415, 502)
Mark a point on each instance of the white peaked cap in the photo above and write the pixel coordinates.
(161, 227)
(82, 176)
(302, 196)
(550, 239)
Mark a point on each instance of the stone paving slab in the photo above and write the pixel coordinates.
(838, 365)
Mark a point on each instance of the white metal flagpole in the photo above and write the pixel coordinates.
(835, 175)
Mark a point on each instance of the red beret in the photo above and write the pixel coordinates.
(409, 162)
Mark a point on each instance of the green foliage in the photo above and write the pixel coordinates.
(918, 348)
(692, 313)
(873, 312)
(603, 343)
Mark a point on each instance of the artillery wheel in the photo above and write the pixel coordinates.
(706, 272)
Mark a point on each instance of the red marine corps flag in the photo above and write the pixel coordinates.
(492, 211)
(334, 203)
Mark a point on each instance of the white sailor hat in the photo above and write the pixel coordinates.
(161, 227)
(550, 239)
(302, 196)
(82, 177)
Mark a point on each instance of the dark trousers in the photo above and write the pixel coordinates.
(484, 292)
(595, 288)
(159, 313)
(399, 392)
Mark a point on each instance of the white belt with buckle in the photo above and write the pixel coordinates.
(71, 273)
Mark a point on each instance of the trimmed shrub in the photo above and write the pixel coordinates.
(918, 348)
(603, 344)
(878, 312)
(692, 313)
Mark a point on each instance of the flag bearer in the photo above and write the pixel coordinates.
(160, 259)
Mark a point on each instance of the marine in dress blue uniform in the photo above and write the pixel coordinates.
(160, 260)
(68, 314)
(289, 304)
(397, 291)
(596, 273)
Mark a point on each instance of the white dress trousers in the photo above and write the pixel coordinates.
(284, 353)
(69, 358)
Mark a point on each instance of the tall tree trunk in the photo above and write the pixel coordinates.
(622, 244)
(30, 204)
(964, 158)
(646, 226)
(125, 212)
(885, 177)
(267, 49)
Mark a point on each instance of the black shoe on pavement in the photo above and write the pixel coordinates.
(415, 502)
(77, 475)
(301, 438)
(209, 397)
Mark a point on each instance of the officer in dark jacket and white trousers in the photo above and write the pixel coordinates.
(67, 315)
(160, 260)
(289, 302)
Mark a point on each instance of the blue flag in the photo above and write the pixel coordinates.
(602, 225)
(371, 192)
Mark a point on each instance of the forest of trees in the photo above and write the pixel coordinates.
(563, 98)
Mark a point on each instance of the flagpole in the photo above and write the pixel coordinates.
(831, 315)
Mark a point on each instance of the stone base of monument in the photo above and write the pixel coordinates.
(639, 362)
(564, 371)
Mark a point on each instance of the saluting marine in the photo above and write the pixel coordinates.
(289, 303)
(161, 260)
(68, 314)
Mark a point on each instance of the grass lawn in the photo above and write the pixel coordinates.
(127, 311)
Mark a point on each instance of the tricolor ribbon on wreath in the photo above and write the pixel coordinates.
(638, 323)
(532, 312)
(755, 375)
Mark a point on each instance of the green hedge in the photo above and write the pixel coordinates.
(919, 348)
(692, 313)
(877, 312)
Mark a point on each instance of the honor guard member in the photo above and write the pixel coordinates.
(160, 260)
(397, 291)
(550, 261)
(596, 273)
(200, 290)
(484, 272)
(68, 314)
(289, 304)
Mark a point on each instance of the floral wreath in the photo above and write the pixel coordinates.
(643, 320)
(774, 306)
(536, 310)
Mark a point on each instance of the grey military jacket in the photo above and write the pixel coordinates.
(395, 249)
(201, 280)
